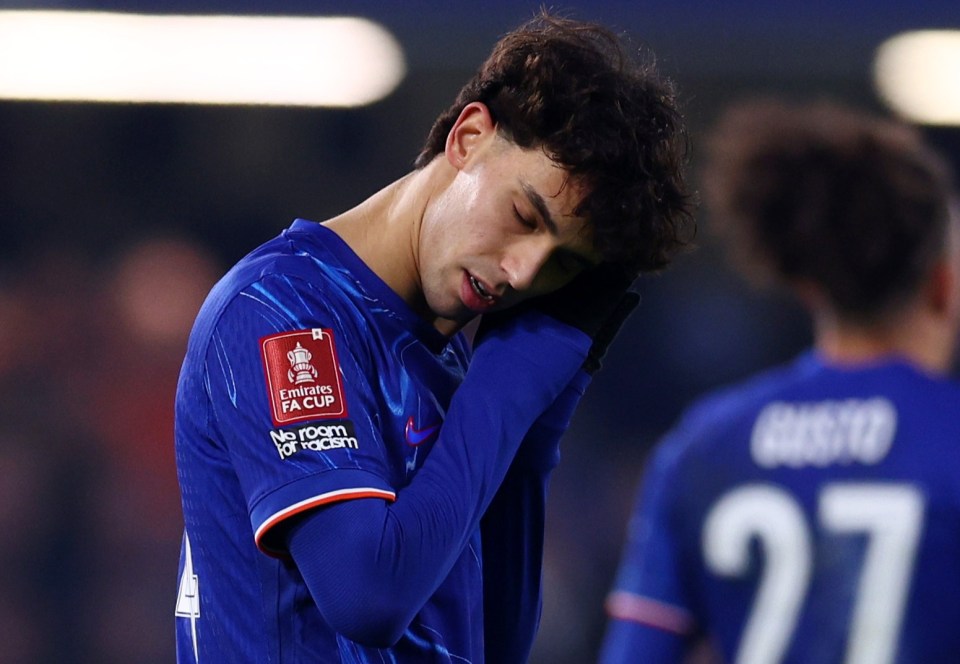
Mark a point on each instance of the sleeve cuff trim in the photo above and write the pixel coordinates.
(310, 503)
(622, 605)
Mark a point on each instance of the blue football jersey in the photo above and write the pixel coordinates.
(306, 381)
(811, 514)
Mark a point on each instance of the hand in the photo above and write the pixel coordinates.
(597, 302)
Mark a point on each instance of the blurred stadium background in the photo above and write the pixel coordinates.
(116, 218)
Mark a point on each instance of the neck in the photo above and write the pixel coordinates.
(383, 231)
(915, 336)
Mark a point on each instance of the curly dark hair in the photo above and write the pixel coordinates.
(567, 87)
(852, 202)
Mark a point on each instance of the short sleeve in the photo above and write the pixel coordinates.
(649, 588)
(291, 401)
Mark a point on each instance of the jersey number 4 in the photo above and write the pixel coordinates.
(890, 515)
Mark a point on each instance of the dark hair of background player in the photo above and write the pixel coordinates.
(855, 204)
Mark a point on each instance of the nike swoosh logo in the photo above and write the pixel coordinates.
(415, 436)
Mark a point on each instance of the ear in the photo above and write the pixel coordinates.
(941, 288)
(473, 127)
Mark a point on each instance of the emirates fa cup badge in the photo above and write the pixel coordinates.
(301, 371)
(303, 376)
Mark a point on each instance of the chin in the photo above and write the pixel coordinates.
(451, 310)
(447, 326)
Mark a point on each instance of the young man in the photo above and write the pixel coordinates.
(352, 491)
(812, 514)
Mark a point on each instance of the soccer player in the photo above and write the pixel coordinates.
(812, 513)
(362, 483)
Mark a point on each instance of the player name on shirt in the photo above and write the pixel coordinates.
(823, 433)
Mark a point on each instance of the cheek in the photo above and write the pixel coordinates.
(462, 197)
(438, 231)
(476, 232)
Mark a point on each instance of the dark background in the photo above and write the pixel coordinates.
(116, 219)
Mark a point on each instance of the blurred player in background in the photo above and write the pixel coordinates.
(812, 514)
(352, 492)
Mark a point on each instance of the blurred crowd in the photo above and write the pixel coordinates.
(89, 510)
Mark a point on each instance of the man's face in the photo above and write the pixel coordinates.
(502, 231)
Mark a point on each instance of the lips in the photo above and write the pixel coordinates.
(479, 289)
(476, 295)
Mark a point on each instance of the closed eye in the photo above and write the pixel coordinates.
(528, 223)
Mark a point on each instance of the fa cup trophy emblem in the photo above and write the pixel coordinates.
(301, 371)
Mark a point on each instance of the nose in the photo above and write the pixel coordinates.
(523, 261)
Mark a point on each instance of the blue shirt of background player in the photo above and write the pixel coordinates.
(730, 509)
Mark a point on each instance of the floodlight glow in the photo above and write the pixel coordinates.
(275, 60)
(918, 75)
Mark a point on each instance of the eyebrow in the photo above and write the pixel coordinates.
(541, 205)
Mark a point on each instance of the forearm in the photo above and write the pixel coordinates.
(513, 535)
(401, 552)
